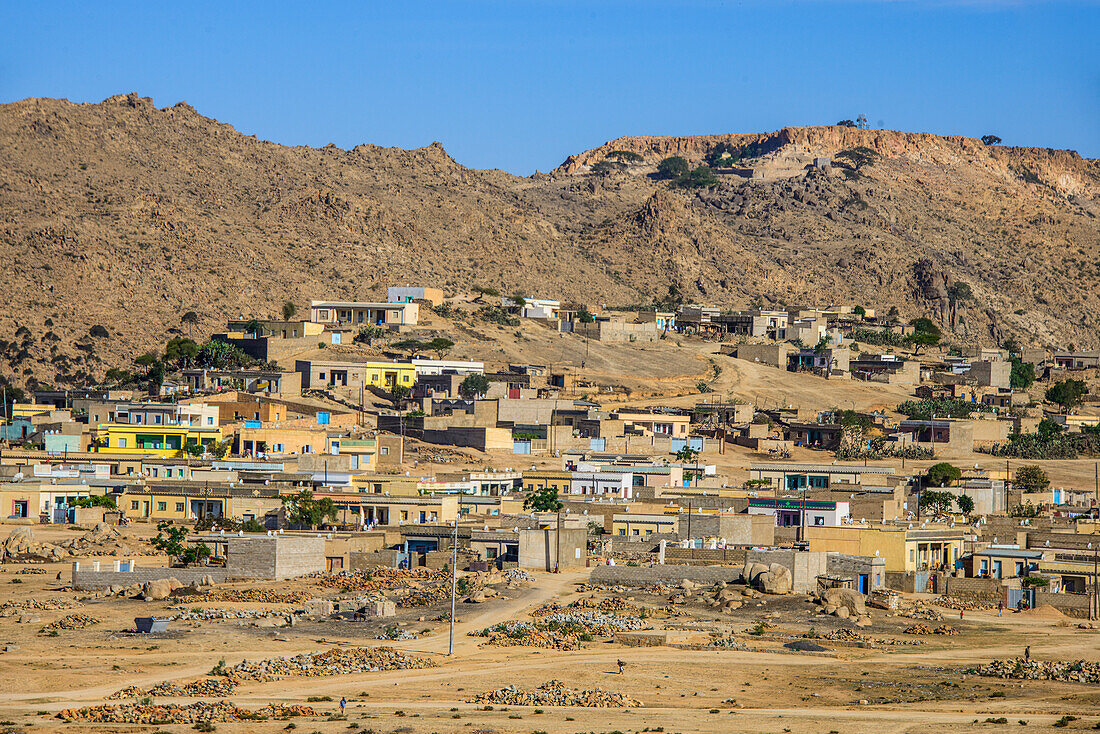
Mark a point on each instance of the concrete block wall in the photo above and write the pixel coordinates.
(705, 556)
(1071, 605)
(985, 590)
(643, 575)
(87, 579)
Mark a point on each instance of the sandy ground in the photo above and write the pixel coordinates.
(906, 689)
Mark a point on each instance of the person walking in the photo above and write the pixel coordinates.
(1027, 653)
(343, 704)
(1000, 608)
(621, 666)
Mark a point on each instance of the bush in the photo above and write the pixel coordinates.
(673, 167)
(941, 408)
(697, 178)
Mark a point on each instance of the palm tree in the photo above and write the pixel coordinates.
(190, 318)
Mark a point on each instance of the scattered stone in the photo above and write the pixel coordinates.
(1079, 671)
(200, 711)
(336, 661)
(195, 688)
(76, 621)
(923, 629)
(556, 693)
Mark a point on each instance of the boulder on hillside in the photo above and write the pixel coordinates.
(776, 581)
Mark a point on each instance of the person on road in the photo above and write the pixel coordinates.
(1000, 608)
(621, 666)
(343, 704)
(1027, 653)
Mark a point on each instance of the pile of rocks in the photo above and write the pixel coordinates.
(720, 595)
(379, 579)
(103, 540)
(426, 597)
(923, 629)
(556, 693)
(560, 629)
(46, 605)
(207, 615)
(964, 605)
(32, 571)
(1070, 671)
(920, 610)
(518, 576)
(336, 661)
(195, 688)
(261, 596)
(76, 621)
(848, 635)
(200, 711)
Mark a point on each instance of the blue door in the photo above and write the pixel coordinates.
(863, 579)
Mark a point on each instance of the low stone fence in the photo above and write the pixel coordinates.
(645, 575)
(92, 575)
(981, 590)
(705, 556)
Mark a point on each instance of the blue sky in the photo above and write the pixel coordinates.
(519, 85)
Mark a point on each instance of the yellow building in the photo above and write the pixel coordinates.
(159, 440)
(626, 523)
(179, 501)
(26, 410)
(543, 479)
(383, 375)
(905, 550)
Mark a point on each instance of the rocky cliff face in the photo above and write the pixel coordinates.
(125, 216)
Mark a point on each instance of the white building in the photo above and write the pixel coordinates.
(788, 511)
(533, 308)
(603, 484)
(425, 367)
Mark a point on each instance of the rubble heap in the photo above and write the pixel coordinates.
(76, 621)
(195, 688)
(965, 605)
(379, 579)
(556, 693)
(206, 615)
(921, 610)
(262, 596)
(558, 629)
(336, 661)
(1069, 671)
(200, 711)
(45, 605)
(923, 629)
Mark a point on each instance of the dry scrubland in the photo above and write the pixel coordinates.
(896, 681)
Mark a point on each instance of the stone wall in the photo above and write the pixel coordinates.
(87, 579)
(705, 556)
(1071, 605)
(643, 575)
(983, 590)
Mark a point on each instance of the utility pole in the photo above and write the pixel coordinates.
(454, 585)
(557, 545)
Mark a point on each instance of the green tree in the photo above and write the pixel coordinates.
(1047, 429)
(473, 386)
(484, 290)
(173, 540)
(146, 360)
(625, 156)
(1067, 394)
(181, 351)
(304, 509)
(673, 167)
(544, 499)
(938, 503)
(585, 317)
(606, 167)
(190, 318)
(253, 327)
(687, 455)
(697, 178)
(958, 292)
(1022, 375)
(723, 155)
(857, 158)
(847, 123)
(942, 474)
(398, 394)
(367, 334)
(991, 140)
(1011, 345)
(440, 345)
(96, 500)
(859, 311)
(925, 333)
(965, 504)
(1031, 478)
(289, 310)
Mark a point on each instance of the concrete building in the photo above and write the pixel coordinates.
(800, 511)
(409, 294)
(354, 314)
(789, 477)
(367, 374)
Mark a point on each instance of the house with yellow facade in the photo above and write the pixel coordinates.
(159, 440)
(381, 375)
(907, 550)
(183, 501)
(628, 523)
(557, 480)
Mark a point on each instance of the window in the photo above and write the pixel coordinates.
(385, 451)
(819, 520)
(490, 553)
(622, 531)
(157, 418)
(122, 443)
(162, 507)
(912, 555)
(179, 507)
(133, 505)
(322, 314)
(404, 515)
(210, 419)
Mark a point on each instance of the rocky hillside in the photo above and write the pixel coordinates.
(123, 216)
